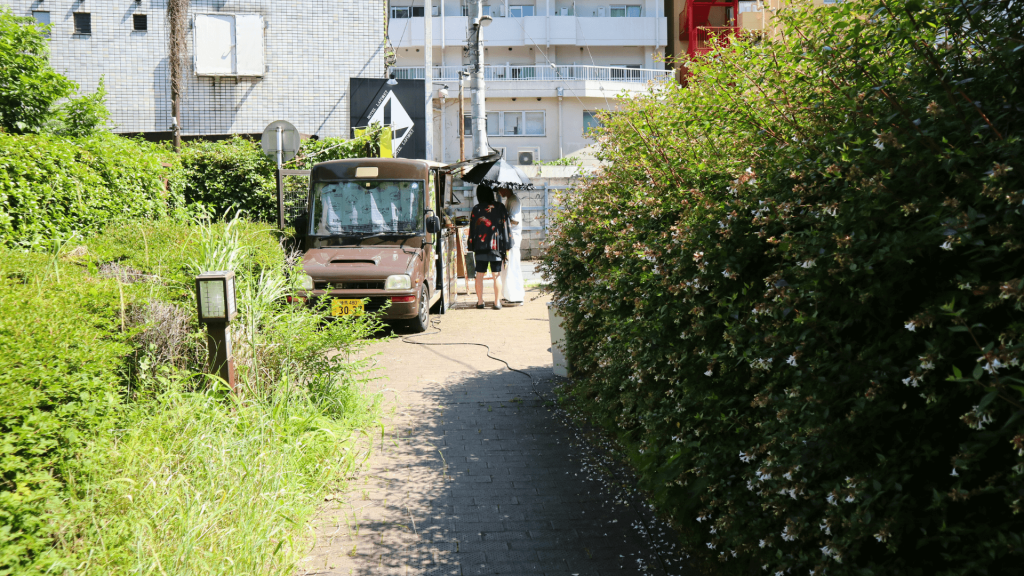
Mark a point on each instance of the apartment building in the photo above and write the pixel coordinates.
(550, 66)
(250, 62)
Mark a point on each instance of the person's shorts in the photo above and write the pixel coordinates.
(481, 266)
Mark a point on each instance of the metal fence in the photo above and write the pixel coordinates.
(542, 73)
(545, 209)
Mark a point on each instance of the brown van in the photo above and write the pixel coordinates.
(373, 236)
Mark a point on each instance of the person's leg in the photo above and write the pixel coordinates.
(497, 287)
(479, 288)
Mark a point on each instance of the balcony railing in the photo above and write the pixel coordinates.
(541, 73)
(706, 38)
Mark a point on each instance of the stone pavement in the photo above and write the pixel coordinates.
(475, 475)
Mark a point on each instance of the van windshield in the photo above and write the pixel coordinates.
(361, 207)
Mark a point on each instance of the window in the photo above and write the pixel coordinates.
(487, 10)
(411, 12)
(465, 10)
(590, 121)
(631, 11)
(748, 6)
(520, 11)
(228, 44)
(467, 125)
(493, 123)
(139, 22)
(625, 72)
(83, 23)
(42, 18)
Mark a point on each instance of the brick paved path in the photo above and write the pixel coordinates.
(477, 476)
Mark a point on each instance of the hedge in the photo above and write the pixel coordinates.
(55, 187)
(231, 175)
(796, 292)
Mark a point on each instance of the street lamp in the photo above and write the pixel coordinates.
(215, 301)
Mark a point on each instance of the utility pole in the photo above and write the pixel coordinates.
(462, 119)
(177, 47)
(428, 76)
(476, 82)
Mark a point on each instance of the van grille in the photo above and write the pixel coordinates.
(350, 285)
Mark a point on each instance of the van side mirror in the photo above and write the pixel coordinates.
(433, 224)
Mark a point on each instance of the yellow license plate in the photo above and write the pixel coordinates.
(346, 307)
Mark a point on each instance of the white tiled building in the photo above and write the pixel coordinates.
(258, 60)
(549, 65)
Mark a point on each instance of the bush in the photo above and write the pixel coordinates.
(59, 383)
(796, 293)
(56, 188)
(101, 373)
(29, 87)
(230, 175)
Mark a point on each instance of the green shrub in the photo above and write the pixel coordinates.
(231, 175)
(56, 188)
(796, 293)
(29, 87)
(59, 383)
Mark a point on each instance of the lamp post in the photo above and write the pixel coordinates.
(476, 80)
(215, 301)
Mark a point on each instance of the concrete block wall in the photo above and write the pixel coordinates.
(312, 48)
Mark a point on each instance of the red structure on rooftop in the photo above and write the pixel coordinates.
(706, 24)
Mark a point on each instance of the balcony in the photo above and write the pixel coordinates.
(538, 30)
(707, 24)
(590, 81)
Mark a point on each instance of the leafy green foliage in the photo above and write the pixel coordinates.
(82, 116)
(29, 87)
(796, 292)
(231, 175)
(57, 188)
(101, 375)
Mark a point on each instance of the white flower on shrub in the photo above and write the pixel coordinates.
(992, 364)
(831, 499)
(709, 373)
(761, 364)
(714, 530)
(976, 418)
(761, 543)
(791, 360)
(953, 473)
(751, 487)
(763, 474)
(787, 476)
(711, 546)
(849, 498)
(947, 245)
(926, 363)
(913, 380)
(910, 325)
(787, 536)
(747, 458)
(824, 527)
(879, 144)
(807, 264)
(700, 518)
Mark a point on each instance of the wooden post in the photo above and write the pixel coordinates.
(218, 342)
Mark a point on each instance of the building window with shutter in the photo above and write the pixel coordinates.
(229, 45)
(139, 23)
(83, 23)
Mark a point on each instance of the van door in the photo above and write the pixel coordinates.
(429, 254)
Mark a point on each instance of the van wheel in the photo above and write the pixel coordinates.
(422, 320)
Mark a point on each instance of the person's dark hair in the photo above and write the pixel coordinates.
(484, 194)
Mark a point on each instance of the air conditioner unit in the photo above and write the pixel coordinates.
(527, 156)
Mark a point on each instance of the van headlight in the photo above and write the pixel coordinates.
(307, 282)
(398, 282)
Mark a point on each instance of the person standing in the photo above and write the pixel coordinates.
(489, 239)
(512, 272)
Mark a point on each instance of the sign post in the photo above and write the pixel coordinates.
(280, 141)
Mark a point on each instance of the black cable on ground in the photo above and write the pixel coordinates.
(434, 321)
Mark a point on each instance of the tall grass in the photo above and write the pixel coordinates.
(187, 479)
(198, 484)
